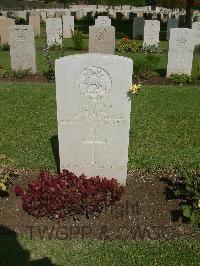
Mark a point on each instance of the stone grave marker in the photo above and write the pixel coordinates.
(102, 39)
(35, 22)
(138, 28)
(22, 48)
(180, 54)
(5, 24)
(93, 112)
(151, 32)
(68, 26)
(196, 29)
(103, 21)
(54, 31)
(171, 23)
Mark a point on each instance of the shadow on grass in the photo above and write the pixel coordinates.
(55, 150)
(12, 254)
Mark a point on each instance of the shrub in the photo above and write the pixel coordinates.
(65, 194)
(152, 49)
(5, 179)
(20, 21)
(197, 49)
(125, 45)
(5, 47)
(181, 79)
(188, 189)
(145, 66)
(77, 39)
(49, 72)
(21, 73)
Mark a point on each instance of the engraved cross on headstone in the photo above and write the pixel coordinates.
(94, 142)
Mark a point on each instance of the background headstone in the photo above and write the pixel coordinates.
(103, 21)
(54, 31)
(151, 32)
(171, 23)
(93, 112)
(196, 29)
(102, 39)
(5, 24)
(68, 26)
(22, 48)
(138, 28)
(35, 22)
(180, 54)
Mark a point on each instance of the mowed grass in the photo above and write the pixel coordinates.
(164, 126)
(91, 252)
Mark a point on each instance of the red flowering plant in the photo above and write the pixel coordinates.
(65, 194)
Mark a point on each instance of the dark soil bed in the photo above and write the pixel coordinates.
(143, 213)
(42, 78)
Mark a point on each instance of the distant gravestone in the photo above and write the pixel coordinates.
(35, 22)
(138, 28)
(103, 21)
(180, 54)
(5, 24)
(68, 26)
(93, 112)
(43, 15)
(102, 40)
(171, 23)
(22, 48)
(54, 31)
(151, 32)
(196, 29)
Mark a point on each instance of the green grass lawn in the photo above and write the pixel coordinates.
(91, 252)
(164, 126)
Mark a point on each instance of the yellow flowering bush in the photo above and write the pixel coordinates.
(125, 45)
(135, 89)
(4, 177)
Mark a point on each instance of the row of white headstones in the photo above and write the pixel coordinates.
(102, 40)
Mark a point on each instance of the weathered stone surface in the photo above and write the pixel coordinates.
(5, 24)
(35, 22)
(196, 29)
(54, 31)
(171, 23)
(102, 40)
(138, 28)
(93, 112)
(151, 32)
(22, 48)
(68, 26)
(103, 21)
(180, 54)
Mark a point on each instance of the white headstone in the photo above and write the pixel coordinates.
(43, 15)
(35, 22)
(151, 32)
(5, 24)
(138, 28)
(22, 48)
(180, 54)
(171, 23)
(68, 26)
(196, 29)
(54, 31)
(93, 112)
(22, 14)
(103, 21)
(102, 39)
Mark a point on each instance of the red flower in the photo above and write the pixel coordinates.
(18, 191)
